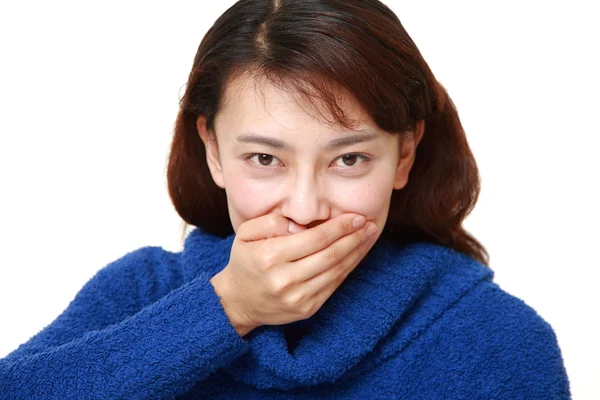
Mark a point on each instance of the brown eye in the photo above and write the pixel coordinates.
(265, 159)
(349, 159)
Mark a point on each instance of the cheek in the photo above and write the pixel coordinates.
(370, 197)
(248, 199)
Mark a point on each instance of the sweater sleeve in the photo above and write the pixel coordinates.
(135, 330)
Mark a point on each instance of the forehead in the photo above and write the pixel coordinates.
(248, 102)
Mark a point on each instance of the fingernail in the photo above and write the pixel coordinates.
(372, 229)
(358, 221)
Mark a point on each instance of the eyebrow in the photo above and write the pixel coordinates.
(362, 136)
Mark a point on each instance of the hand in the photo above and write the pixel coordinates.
(274, 277)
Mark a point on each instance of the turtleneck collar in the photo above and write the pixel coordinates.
(389, 299)
(205, 253)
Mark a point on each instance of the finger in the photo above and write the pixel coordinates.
(264, 227)
(324, 294)
(295, 228)
(324, 285)
(342, 250)
(330, 279)
(304, 243)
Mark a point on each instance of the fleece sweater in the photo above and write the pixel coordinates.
(412, 321)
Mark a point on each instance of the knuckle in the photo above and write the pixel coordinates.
(269, 257)
(347, 226)
(362, 237)
(322, 237)
(353, 260)
(268, 261)
(350, 267)
(356, 251)
(339, 269)
(309, 309)
(333, 254)
(278, 285)
(272, 221)
(294, 300)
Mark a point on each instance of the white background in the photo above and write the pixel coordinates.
(89, 92)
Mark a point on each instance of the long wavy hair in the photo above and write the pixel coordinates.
(314, 48)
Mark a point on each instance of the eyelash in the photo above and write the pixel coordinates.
(364, 158)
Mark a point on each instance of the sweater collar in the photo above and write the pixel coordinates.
(397, 288)
(204, 253)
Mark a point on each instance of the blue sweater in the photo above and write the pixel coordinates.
(412, 321)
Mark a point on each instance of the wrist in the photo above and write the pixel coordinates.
(222, 289)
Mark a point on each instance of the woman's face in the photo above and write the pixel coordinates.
(271, 156)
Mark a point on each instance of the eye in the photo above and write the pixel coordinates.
(264, 160)
(351, 160)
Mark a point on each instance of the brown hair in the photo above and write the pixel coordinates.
(315, 47)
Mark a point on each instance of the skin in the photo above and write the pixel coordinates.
(300, 177)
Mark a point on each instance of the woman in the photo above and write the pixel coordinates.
(327, 176)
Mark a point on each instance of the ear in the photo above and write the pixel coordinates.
(212, 152)
(408, 149)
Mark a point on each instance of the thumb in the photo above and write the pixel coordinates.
(295, 228)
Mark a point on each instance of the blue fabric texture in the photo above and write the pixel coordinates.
(412, 321)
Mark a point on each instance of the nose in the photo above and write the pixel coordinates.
(305, 201)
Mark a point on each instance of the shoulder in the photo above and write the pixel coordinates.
(508, 342)
(502, 312)
(142, 275)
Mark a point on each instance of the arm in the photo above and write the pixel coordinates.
(124, 338)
